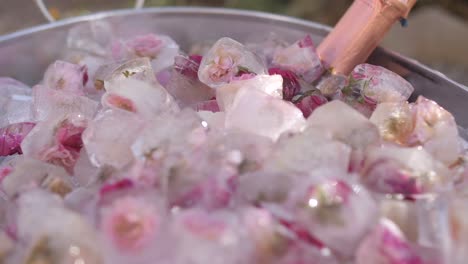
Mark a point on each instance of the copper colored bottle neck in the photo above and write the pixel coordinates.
(360, 31)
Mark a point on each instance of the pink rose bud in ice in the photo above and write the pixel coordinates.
(130, 223)
(308, 102)
(291, 84)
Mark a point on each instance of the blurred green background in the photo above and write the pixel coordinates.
(437, 34)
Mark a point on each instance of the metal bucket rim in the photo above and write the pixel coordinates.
(415, 65)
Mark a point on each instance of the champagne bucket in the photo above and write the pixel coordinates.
(25, 54)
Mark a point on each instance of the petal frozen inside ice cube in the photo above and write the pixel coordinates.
(67, 77)
(184, 84)
(160, 49)
(140, 97)
(407, 171)
(394, 121)
(435, 129)
(300, 58)
(138, 68)
(225, 60)
(379, 84)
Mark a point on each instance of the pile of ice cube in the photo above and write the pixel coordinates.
(133, 152)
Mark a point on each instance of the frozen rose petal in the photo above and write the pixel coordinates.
(92, 38)
(291, 85)
(259, 113)
(225, 60)
(309, 101)
(379, 84)
(12, 136)
(56, 141)
(211, 105)
(301, 58)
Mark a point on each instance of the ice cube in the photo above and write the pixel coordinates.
(379, 84)
(64, 238)
(458, 214)
(271, 85)
(51, 104)
(84, 172)
(225, 60)
(109, 136)
(67, 77)
(394, 121)
(301, 58)
(15, 102)
(29, 173)
(307, 152)
(345, 124)
(435, 129)
(139, 97)
(57, 141)
(266, 46)
(256, 112)
(324, 206)
(184, 84)
(406, 171)
(160, 49)
(133, 228)
(92, 37)
(217, 237)
(386, 245)
(168, 131)
(139, 68)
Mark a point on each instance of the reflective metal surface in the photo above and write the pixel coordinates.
(25, 54)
